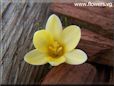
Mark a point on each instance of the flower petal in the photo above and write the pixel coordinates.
(56, 61)
(35, 57)
(54, 26)
(41, 40)
(76, 57)
(71, 37)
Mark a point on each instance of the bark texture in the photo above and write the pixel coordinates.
(19, 22)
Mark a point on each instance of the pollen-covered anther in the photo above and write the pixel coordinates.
(55, 50)
(59, 49)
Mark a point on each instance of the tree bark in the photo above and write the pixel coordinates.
(94, 17)
(19, 22)
(68, 74)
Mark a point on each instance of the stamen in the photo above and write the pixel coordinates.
(59, 49)
(55, 50)
(52, 48)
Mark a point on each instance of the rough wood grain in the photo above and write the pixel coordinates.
(93, 43)
(103, 74)
(97, 21)
(104, 11)
(69, 74)
(105, 57)
(19, 22)
(111, 81)
(98, 48)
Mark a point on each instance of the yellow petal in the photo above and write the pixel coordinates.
(56, 61)
(71, 37)
(76, 57)
(35, 57)
(41, 40)
(54, 26)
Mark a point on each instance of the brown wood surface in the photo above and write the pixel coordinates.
(93, 43)
(91, 17)
(98, 48)
(105, 57)
(103, 74)
(103, 11)
(111, 81)
(69, 74)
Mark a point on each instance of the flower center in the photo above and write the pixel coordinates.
(55, 50)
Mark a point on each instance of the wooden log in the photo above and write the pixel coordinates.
(105, 57)
(111, 81)
(100, 23)
(69, 74)
(103, 11)
(103, 74)
(18, 26)
(93, 43)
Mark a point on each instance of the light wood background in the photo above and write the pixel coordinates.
(19, 22)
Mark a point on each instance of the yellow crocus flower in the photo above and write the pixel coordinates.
(55, 45)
